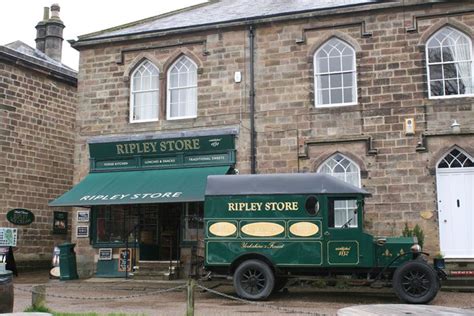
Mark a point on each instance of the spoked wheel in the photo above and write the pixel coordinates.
(253, 280)
(415, 282)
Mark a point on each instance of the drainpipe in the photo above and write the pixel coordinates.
(253, 161)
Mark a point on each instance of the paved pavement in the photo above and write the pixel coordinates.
(152, 298)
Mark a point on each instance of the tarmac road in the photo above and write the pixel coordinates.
(134, 298)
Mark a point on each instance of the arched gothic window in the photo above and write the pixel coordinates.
(456, 159)
(182, 89)
(144, 96)
(344, 169)
(449, 60)
(335, 77)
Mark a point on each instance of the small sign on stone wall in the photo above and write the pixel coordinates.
(82, 216)
(82, 231)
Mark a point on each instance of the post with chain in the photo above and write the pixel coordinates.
(38, 296)
(190, 297)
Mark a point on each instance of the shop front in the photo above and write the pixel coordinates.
(145, 198)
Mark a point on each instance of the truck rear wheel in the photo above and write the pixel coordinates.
(253, 280)
(415, 282)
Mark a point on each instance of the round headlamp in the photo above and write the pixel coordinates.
(415, 248)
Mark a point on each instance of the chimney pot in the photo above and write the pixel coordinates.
(45, 13)
(55, 11)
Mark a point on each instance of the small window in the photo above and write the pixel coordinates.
(342, 213)
(182, 89)
(449, 60)
(144, 94)
(456, 159)
(335, 74)
(312, 206)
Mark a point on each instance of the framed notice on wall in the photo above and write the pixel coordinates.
(125, 260)
(105, 254)
(82, 231)
(82, 216)
(60, 223)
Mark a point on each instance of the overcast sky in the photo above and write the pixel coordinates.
(19, 18)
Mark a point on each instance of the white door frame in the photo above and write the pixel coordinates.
(446, 210)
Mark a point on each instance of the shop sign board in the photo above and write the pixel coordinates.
(163, 153)
(153, 147)
(20, 216)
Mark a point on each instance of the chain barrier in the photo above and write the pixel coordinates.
(260, 304)
(180, 287)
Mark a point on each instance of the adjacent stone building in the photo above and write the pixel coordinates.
(378, 93)
(37, 128)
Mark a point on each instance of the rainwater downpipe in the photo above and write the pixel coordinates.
(253, 148)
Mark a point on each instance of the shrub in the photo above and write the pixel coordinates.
(417, 232)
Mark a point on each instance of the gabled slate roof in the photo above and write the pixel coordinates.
(283, 183)
(222, 11)
(20, 50)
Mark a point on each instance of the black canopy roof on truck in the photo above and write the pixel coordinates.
(283, 183)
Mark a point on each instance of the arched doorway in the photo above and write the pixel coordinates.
(455, 189)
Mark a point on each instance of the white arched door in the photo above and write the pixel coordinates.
(455, 187)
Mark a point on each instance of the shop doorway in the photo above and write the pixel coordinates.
(159, 232)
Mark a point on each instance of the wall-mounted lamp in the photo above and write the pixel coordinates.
(456, 127)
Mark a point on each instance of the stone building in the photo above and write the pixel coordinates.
(378, 93)
(37, 128)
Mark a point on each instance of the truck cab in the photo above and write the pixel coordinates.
(266, 229)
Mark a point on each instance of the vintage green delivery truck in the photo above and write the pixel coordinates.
(264, 229)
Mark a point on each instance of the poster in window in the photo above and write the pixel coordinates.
(125, 260)
(82, 231)
(82, 216)
(60, 223)
(105, 254)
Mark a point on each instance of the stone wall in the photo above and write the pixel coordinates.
(37, 129)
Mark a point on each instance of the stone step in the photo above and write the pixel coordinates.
(156, 270)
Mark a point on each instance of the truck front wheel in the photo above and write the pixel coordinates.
(253, 280)
(415, 282)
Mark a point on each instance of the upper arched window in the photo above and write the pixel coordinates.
(346, 170)
(449, 58)
(182, 89)
(144, 96)
(456, 159)
(335, 74)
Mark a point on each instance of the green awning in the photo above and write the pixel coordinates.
(138, 187)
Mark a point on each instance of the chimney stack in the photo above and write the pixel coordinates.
(49, 33)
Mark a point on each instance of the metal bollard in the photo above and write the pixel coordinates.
(190, 297)
(6, 292)
(38, 296)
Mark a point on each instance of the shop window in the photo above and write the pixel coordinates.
(449, 64)
(346, 170)
(335, 74)
(193, 222)
(342, 213)
(182, 89)
(114, 224)
(144, 96)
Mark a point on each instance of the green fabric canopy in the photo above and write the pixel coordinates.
(138, 187)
